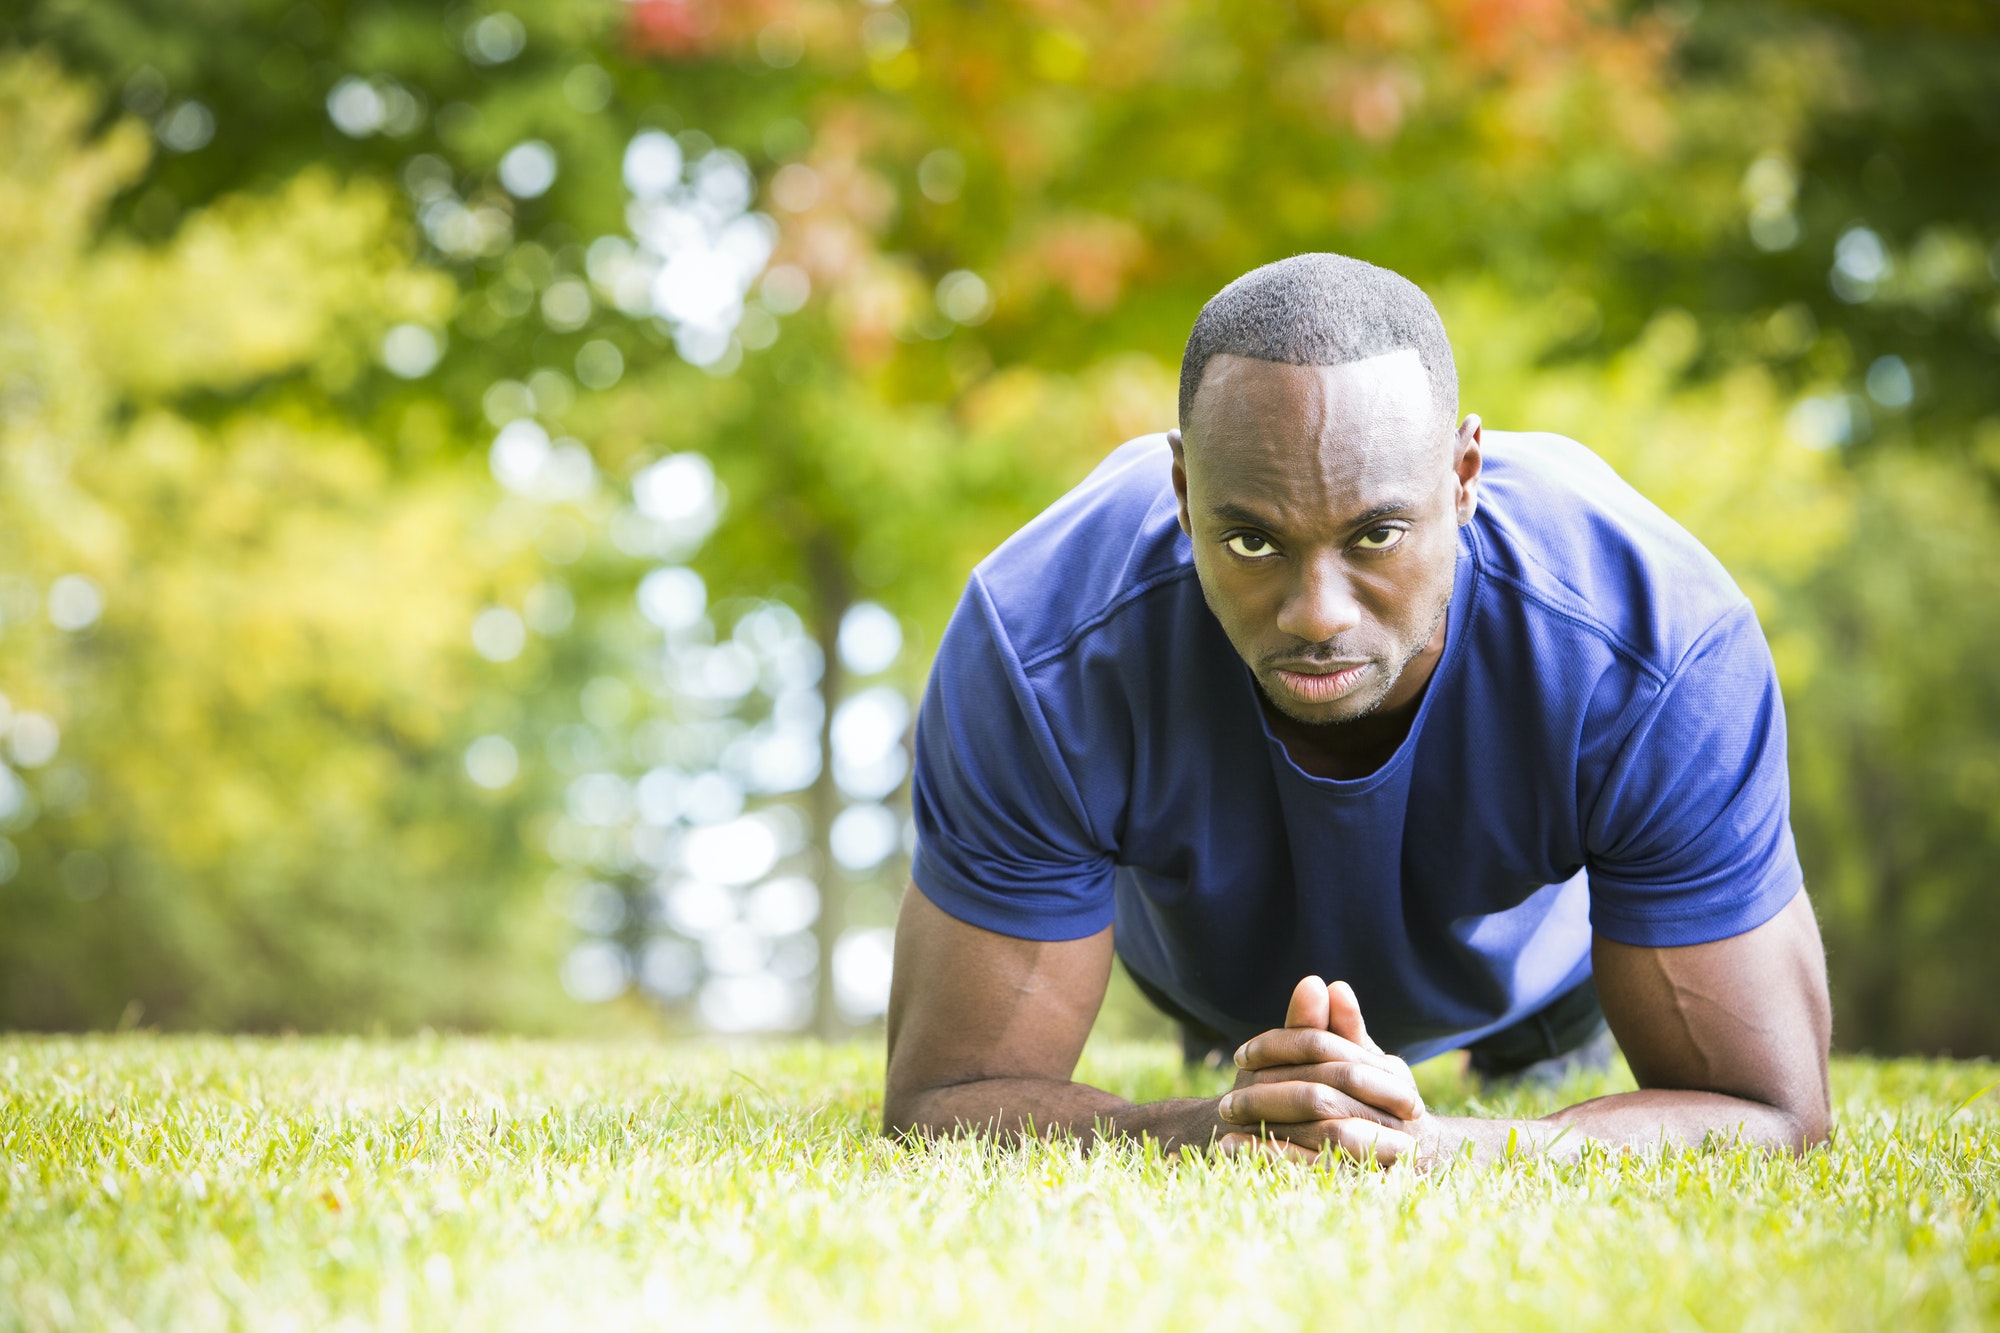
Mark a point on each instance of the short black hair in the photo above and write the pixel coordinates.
(1321, 310)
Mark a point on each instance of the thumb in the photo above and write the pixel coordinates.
(1344, 1016)
(1308, 1008)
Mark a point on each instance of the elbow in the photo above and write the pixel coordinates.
(903, 1114)
(1808, 1121)
(1810, 1129)
(903, 1126)
(897, 1120)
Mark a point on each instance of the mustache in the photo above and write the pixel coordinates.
(1316, 657)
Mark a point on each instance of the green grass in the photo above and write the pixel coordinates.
(173, 1182)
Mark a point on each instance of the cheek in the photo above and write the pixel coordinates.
(1234, 595)
(1404, 593)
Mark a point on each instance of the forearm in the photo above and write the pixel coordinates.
(1015, 1108)
(1626, 1120)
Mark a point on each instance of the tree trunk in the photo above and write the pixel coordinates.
(1879, 1022)
(832, 595)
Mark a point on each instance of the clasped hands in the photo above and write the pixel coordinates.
(1320, 1083)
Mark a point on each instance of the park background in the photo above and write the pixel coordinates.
(479, 486)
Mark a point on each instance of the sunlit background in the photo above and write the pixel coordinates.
(480, 487)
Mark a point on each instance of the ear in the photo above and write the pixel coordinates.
(1465, 460)
(1180, 479)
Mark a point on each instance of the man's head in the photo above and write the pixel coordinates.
(1322, 480)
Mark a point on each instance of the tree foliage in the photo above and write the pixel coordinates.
(1735, 249)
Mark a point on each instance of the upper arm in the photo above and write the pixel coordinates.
(1687, 831)
(967, 1004)
(1004, 839)
(1746, 1016)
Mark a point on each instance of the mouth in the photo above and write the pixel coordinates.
(1318, 685)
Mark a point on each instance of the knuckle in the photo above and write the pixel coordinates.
(1343, 1074)
(1309, 1045)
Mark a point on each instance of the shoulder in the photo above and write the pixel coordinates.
(1088, 556)
(1571, 539)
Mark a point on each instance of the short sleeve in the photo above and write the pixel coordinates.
(1002, 836)
(1690, 836)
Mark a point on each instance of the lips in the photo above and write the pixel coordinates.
(1320, 686)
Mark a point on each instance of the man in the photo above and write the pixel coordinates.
(1330, 683)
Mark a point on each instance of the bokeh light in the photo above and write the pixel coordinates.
(492, 762)
(783, 906)
(1890, 382)
(963, 297)
(1860, 263)
(760, 1002)
(862, 965)
(14, 798)
(737, 852)
(871, 638)
(941, 175)
(495, 39)
(868, 757)
(1820, 421)
(75, 603)
(596, 971)
(498, 634)
(33, 738)
(699, 247)
(599, 364)
(652, 164)
(187, 128)
(411, 351)
(673, 597)
(785, 289)
(588, 88)
(864, 836)
(528, 169)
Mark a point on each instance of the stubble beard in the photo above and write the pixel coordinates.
(1382, 693)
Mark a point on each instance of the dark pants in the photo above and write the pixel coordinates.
(1559, 1027)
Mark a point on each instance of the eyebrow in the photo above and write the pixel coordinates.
(1230, 512)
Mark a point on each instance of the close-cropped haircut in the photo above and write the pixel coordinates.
(1321, 310)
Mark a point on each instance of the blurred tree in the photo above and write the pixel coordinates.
(1729, 247)
(247, 752)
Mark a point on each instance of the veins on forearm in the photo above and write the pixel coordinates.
(1623, 1121)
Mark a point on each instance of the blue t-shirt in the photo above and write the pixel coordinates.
(1602, 746)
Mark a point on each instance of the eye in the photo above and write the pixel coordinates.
(1380, 539)
(1250, 546)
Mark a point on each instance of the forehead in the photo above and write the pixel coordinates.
(1316, 439)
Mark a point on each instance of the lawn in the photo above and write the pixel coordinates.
(165, 1182)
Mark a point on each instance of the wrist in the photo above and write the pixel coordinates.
(1181, 1123)
(1441, 1139)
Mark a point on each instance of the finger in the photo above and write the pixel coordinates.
(1308, 1008)
(1344, 1017)
(1394, 1092)
(1365, 1141)
(1302, 1046)
(1357, 1140)
(1296, 1103)
(1250, 1145)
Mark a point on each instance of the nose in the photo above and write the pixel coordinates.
(1319, 606)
